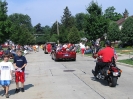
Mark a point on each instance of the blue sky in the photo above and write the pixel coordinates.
(47, 12)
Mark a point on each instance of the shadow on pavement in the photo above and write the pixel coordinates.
(11, 92)
(103, 82)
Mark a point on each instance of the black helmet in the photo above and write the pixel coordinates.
(108, 43)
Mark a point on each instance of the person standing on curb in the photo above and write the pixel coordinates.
(19, 63)
(6, 69)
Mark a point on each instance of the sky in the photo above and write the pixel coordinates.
(47, 12)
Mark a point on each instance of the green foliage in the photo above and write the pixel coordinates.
(113, 32)
(96, 24)
(111, 14)
(73, 36)
(127, 30)
(67, 22)
(21, 29)
(94, 9)
(38, 29)
(54, 38)
(63, 35)
(67, 19)
(5, 24)
(22, 35)
(80, 21)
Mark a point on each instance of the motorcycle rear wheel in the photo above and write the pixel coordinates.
(113, 82)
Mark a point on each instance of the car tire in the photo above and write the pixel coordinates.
(74, 59)
(55, 59)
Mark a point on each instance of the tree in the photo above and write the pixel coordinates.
(21, 28)
(63, 34)
(38, 29)
(127, 30)
(67, 19)
(73, 36)
(21, 19)
(67, 22)
(80, 21)
(5, 24)
(54, 38)
(113, 32)
(96, 24)
(94, 9)
(22, 35)
(111, 14)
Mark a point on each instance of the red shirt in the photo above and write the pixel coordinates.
(107, 54)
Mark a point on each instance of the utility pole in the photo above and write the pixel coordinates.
(58, 31)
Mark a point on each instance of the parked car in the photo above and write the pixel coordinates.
(63, 54)
(48, 47)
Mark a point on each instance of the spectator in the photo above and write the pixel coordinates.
(6, 69)
(82, 47)
(19, 63)
(88, 50)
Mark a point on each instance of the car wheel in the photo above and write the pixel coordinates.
(55, 59)
(52, 57)
(74, 59)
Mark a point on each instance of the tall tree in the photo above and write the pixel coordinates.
(67, 19)
(127, 30)
(38, 29)
(111, 14)
(67, 22)
(113, 32)
(80, 21)
(5, 24)
(96, 24)
(73, 36)
(21, 29)
(21, 19)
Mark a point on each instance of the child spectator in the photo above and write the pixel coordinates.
(6, 69)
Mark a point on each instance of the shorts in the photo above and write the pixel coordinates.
(19, 77)
(82, 50)
(5, 82)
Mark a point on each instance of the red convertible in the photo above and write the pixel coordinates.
(63, 54)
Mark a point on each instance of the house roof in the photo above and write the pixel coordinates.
(120, 21)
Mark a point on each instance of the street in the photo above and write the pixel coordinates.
(47, 79)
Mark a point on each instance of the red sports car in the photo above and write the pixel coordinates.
(63, 54)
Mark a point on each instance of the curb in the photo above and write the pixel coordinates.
(124, 64)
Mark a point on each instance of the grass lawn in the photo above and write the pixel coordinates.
(127, 61)
(88, 54)
(124, 50)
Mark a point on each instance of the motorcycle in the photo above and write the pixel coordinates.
(109, 73)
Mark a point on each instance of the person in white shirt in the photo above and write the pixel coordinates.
(37, 48)
(82, 46)
(6, 69)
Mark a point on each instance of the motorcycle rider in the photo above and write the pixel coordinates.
(107, 55)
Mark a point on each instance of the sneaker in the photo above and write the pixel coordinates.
(7, 95)
(17, 90)
(22, 89)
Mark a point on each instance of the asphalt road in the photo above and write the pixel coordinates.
(47, 79)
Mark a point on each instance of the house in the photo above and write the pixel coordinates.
(122, 20)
